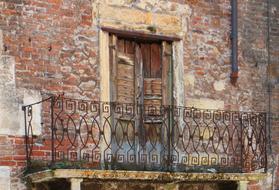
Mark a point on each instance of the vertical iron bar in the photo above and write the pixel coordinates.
(52, 132)
(242, 143)
(171, 102)
(265, 139)
(26, 138)
(169, 138)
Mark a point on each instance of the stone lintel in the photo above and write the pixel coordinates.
(121, 175)
(138, 20)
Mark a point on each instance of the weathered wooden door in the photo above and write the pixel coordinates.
(141, 80)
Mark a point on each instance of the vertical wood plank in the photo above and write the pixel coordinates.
(129, 45)
(125, 82)
(104, 67)
(125, 74)
(166, 74)
(145, 49)
(138, 75)
(156, 61)
(121, 45)
(113, 67)
(139, 94)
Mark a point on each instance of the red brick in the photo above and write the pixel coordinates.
(38, 153)
(7, 163)
(19, 157)
(20, 141)
(21, 164)
(5, 158)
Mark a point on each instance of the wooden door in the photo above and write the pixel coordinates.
(141, 76)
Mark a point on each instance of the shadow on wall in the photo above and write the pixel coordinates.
(104, 185)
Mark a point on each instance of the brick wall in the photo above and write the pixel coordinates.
(53, 48)
(274, 84)
(53, 45)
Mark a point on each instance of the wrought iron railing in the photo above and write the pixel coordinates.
(101, 135)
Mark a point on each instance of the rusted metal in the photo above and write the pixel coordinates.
(234, 77)
(234, 41)
(107, 135)
(26, 137)
(52, 127)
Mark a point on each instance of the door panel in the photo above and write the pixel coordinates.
(145, 49)
(125, 76)
(156, 61)
(125, 81)
(152, 75)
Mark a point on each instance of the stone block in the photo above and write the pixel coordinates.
(134, 19)
(11, 116)
(5, 179)
(122, 15)
(219, 85)
(189, 80)
(9, 108)
(30, 97)
(205, 103)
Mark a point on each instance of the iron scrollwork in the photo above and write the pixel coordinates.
(110, 135)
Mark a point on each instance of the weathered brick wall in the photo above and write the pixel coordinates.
(274, 84)
(47, 46)
(208, 55)
(253, 52)
(53, 46)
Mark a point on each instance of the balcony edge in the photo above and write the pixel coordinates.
(122, 175)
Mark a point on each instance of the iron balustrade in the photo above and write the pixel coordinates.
(77, 133)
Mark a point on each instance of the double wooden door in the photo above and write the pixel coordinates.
(141, 77)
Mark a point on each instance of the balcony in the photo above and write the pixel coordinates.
(84, 134)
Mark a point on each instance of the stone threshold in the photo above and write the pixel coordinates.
(144, 176)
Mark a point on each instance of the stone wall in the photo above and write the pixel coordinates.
(52, 46)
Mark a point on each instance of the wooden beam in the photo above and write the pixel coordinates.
(136, 35)
(113, 67)
(167, 74)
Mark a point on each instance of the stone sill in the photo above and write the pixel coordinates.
(119, 175)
